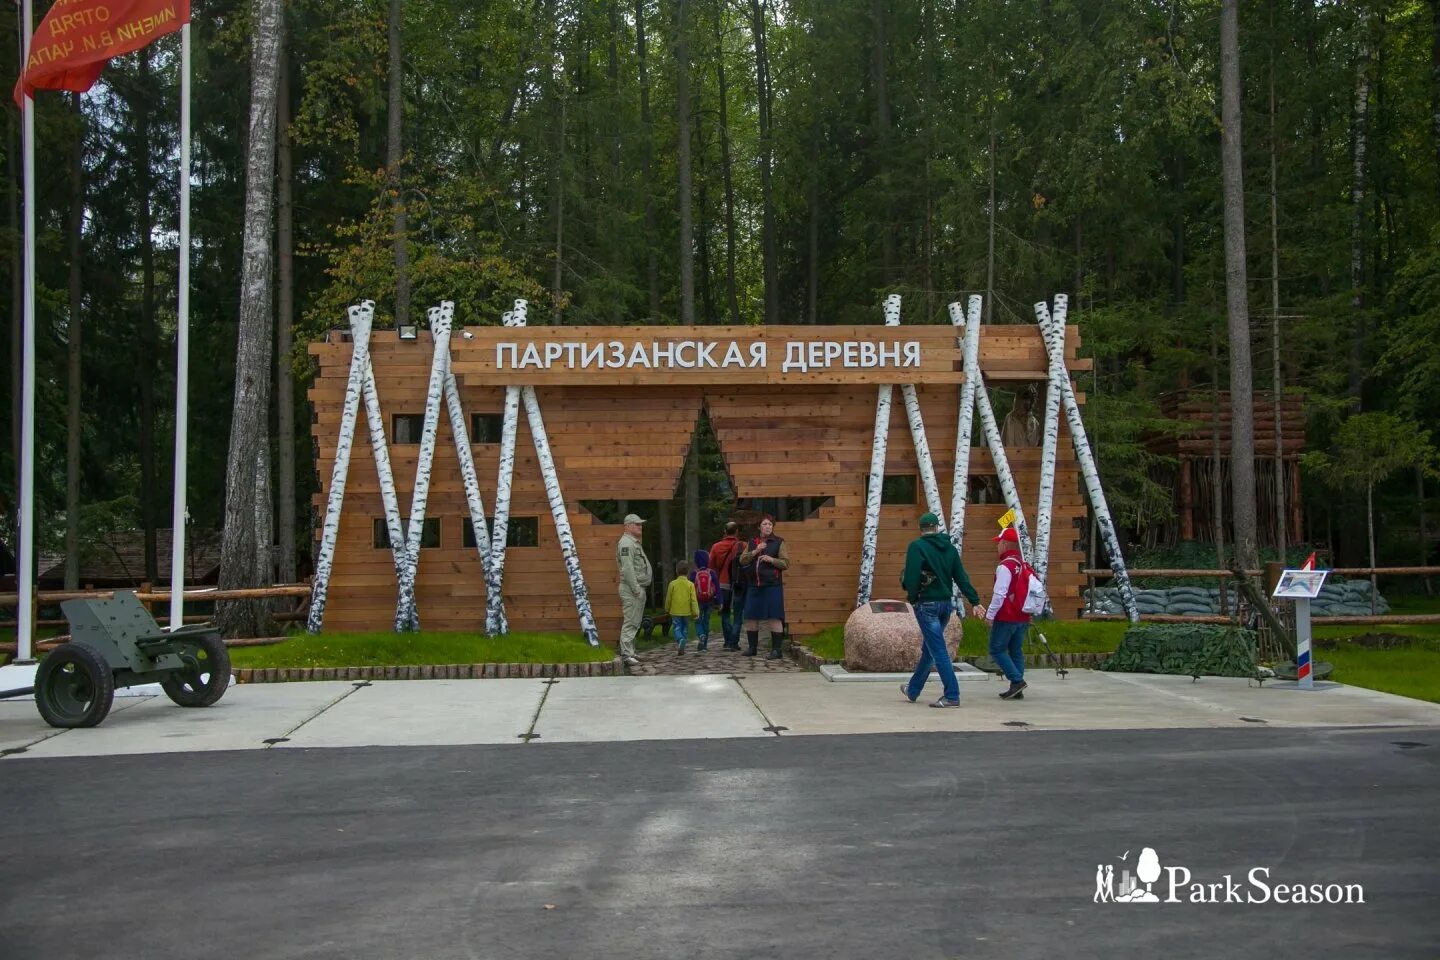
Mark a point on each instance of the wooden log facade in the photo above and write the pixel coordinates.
(629, 441)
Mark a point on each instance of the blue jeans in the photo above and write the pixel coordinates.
(702, 626)
(680, 629)
(932, 616)
(729, 618)
(1007, 648)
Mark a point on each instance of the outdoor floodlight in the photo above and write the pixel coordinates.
(407, 331)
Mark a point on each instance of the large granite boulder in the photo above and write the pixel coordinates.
(883, 637)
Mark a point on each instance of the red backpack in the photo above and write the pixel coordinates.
(705, 585)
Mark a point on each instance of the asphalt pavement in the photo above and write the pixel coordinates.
(868, 846)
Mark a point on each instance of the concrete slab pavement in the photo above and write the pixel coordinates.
(650, 708)
(412, 712)
(455, 712)
(243, 720)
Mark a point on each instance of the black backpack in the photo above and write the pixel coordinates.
(738, 573)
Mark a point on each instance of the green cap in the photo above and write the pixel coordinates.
(929, 520)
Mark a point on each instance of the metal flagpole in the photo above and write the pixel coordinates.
(25, 555)
(182, 348)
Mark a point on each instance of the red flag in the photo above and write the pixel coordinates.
(77, 38)
(1309, 562)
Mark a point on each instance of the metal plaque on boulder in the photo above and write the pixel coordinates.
(889, 606)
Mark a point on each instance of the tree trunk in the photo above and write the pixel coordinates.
(882, 141)
(769, 267)
(1217, 489)
(682, 122)
(731, 297)
(1242, 405)
(394, 150)
(616, 204)
(557, 201)
(1370, 535)
(1358, 219)
(692, 496)
(1435, 101)
(1424, 558)
(812, 259)
(243, 552)
(285, 319)
(667, 548)
(990, 237)
(702, 205)
(1277, 374)
(72, 350)
(652, 268)
(149, 348)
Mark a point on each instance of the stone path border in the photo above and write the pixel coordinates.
(451, 671)
(809, 659)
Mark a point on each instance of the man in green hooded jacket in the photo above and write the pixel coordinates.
(932, 574)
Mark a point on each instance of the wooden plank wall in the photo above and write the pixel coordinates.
(630, 443)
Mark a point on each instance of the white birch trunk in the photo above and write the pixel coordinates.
(380, 449)
(960, 484)
(406, 613)
(917, 429)
(1050, 442)
(468, 475)
(495, 621)
(1055, 344)
(325, 559)
(997, 449)
(877, 473)
(558, 513)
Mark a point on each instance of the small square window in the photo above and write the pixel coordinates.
(485, 427)
(429, 534)
(898, 490)
(523, 532)
(406, 427)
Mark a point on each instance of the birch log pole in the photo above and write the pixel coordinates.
(1050, 441)
(992, 437)
(406, 614)
(917, 429)
(360, 320)
(558, 513)
(495, 621)
(380, 449)
(877, 475)
(1054, 331)
(471, 480)
(960, 483)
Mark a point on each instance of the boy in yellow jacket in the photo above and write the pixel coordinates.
(682, 605)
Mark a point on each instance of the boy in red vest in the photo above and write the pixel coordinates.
(1008, 622)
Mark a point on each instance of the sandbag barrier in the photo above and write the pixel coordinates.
(1345, 598)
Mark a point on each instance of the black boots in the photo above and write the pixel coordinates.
(753, 638)
(776, 639)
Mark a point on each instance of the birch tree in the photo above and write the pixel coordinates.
(244, 557)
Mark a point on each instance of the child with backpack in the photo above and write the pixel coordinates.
(1017, 594)
(707, 592)
(682, 606)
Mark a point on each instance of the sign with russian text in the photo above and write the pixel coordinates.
(77, 37)
(707, 355)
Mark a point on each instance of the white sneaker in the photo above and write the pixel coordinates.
(631, 661)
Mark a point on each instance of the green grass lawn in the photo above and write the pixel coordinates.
(403, 649)
(1412, 671)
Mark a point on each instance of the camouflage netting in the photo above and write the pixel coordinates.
(1189, 649)
(1337, 599)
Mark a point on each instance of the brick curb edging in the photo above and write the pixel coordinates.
(807, 658)
(450, 671)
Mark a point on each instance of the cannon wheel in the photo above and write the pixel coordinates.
(74, 687)
(206, 675)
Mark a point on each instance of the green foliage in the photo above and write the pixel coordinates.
(1368, 448)
(1189, 649)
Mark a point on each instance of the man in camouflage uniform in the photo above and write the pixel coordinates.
(635, 574)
